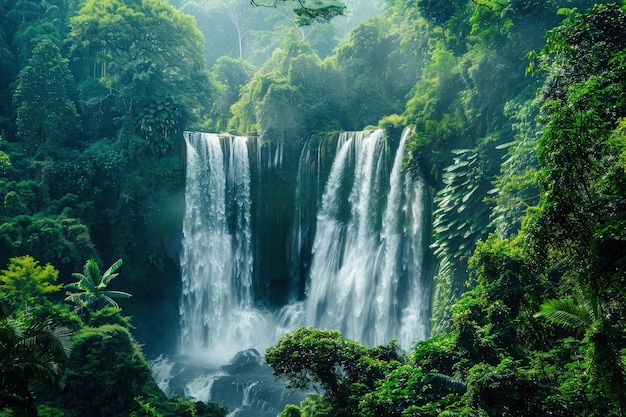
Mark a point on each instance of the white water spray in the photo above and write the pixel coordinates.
(217, 318)
(366, 276)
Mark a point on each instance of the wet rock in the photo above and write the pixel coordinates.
(246, 385)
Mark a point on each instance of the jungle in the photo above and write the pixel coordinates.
(507, 122)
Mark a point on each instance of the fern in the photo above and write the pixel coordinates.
(453, 384)
(568, 313)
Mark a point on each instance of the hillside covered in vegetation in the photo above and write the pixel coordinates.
(518, 127)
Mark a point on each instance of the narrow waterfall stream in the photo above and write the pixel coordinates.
(366, 275)
(217, 317)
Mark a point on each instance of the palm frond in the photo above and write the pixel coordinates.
(108, 301)
(592, 306)
(41, 372)
(31, 352)
(78, 276)
(54, 341)
(82, 283)
(22, 405)
(10, 332)
(92, 272)
(116, 294)
(109, 274)
(567, 313)
(81, 299)
(73, 286)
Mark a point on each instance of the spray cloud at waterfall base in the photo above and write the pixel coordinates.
(358, 254)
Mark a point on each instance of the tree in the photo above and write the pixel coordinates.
(345, 369)
(576, 228)
(225, 24)
(94, 294)
(45, 112)
(506, 389)
(368, 74)
(410, 389)
(439, 12)
(109, 371)
(576, 231)
(30, 352)
(290, 410)
(281, 96)
(311, 357)
(24, 280)
(143, 61)
(308, 12)
(592, 319)
(231, 75)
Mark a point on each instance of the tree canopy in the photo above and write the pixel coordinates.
(142, 60)
(309, 11)
(517, 113)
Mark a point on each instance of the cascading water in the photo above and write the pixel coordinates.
(217, 317)
(354, 258)
(403, 295)
(342, 251)
(366, 274)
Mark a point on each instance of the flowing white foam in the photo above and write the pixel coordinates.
(217, 317)
(366, 274)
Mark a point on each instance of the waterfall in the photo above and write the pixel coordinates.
(351, 258)
(403, 296)
(366, 249)
(216, 308)
(367, 270)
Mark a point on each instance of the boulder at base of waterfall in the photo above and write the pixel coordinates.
(246, 362)
(251, 389)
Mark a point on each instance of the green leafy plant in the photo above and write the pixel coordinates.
(30, 352)
(24, 279)
(460, 219)
(570, 314)
(92, 285)
(591, 319)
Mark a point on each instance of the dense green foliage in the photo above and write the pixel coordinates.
(48, 355)
(144, 63)
(344, 369)
(30, 353)
(534, 242)
(112, 376)
(45, 113)
(518, 115)
(24, 280)
(295, 94)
